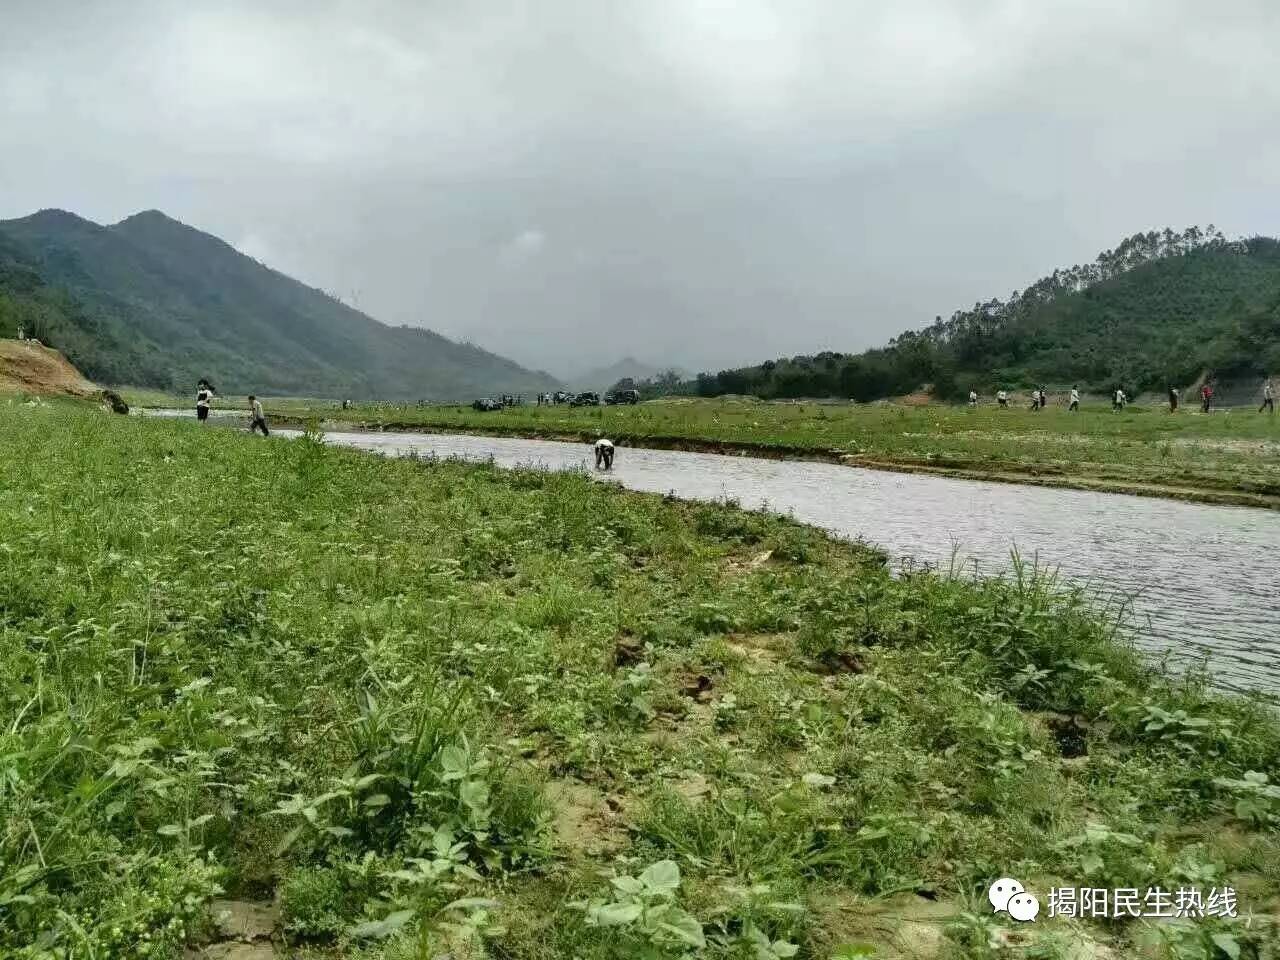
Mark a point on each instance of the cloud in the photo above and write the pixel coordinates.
(524, 246)
(723, 181)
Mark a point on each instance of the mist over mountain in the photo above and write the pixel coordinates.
(628, 368)
(153, 302)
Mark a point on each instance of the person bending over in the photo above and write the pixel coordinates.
(604, 454)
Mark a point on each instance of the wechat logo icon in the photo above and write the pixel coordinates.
(1009, 896)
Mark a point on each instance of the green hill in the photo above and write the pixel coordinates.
(153, 302)
(1163, 308)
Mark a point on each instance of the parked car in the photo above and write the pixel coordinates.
(486, 405)
(627, 396)
(587, 399)
(562, 396)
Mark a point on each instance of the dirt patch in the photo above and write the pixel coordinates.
(628, 650)
(1261, 448)
(737, 566)
(244, 929)
(694, 787)
(234, 951)
(697, 687)
(244, 919)
(758, 649)
(901, 927)
(921, 398)
(32, 368)
(587, 822)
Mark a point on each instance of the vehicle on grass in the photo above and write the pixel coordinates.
(587, 399)
(486, 405)
(622, 396)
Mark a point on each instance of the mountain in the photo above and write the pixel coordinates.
(1161, 309)
(628, 368)
(150, 301)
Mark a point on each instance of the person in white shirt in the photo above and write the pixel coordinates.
(259, 421)
(1035, 399)
(973, 398)
(1268, 397)
(1119, 400)
(604, 454)
(1002, 397)
(1075, 400)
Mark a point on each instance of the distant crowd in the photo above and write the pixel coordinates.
(1120, 398)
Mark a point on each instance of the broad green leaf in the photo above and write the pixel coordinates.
(1227, 944)
(614, 914)
(381, 929)
(627, 884)
(661, 877)
(685, 928)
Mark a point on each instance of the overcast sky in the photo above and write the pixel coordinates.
(699, 182)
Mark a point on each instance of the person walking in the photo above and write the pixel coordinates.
(1268, 397)
(1206, 398)
(258, 421)
(1035, 399)
(973, 398)
(1074, 406)
(1118, 400)
(1173, 399)
(1002, 397)
(204, 394)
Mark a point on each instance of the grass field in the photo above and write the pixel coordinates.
(1229, 456)
(438, 709)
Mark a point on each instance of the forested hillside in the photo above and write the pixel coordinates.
(1161, 309)
(152, 302)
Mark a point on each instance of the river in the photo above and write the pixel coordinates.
(1202, 583)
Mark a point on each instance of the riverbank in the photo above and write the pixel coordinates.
(373, 689)
(1229, 457)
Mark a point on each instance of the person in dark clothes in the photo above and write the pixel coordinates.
(204, 394)
(1173, 399)
(259, 421)
(1268, 397)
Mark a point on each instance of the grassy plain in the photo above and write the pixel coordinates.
(442, 709)
(1227, 457)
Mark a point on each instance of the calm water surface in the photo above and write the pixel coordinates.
(1204, 581)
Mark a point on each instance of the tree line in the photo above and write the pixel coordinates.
(1162, 308)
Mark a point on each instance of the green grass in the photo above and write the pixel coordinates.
(437, 707)
(1229, 456)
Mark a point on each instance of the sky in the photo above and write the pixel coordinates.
(704, 183)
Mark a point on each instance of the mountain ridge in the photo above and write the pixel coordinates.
(155, 302)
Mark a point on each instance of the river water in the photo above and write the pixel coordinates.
(1201, 582)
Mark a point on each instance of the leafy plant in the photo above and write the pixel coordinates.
(1257, 799)
(644, 909)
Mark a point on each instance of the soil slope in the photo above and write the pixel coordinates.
(29, 367)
